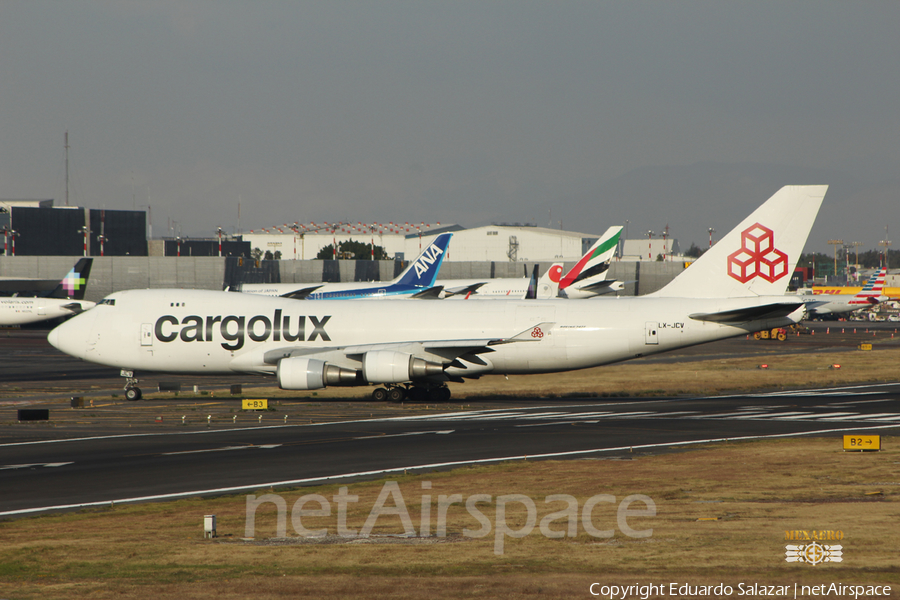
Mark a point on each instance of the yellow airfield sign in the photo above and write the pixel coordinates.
(862, 443)
(255, 404)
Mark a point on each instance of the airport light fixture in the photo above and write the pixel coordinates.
(856, 245)
(886, 244)
(86, 231)
(650, 235)
(711, 231)
(7, 235)
(836, 243)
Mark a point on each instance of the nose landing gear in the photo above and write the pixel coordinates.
(132, 391)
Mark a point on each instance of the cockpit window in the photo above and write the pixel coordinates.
(108, 301)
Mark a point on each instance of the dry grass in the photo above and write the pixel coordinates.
(755, 491)
(713, 376)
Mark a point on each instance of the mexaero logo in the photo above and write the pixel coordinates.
(758, 256)
(424, 262)
(233, 330)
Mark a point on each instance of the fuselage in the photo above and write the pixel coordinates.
(337, 291)
(22, 310)
(505, 287)
(220, 332)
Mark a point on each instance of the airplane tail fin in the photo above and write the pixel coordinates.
(873, 290)
(757, 257)
(548, 284)
(423, 271)
(596, 261)
(73, 285)
(531, 292)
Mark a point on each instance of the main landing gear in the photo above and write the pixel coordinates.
(413, 393)
(132, 391)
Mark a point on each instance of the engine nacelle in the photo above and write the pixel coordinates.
(387, 366)
(300, 373)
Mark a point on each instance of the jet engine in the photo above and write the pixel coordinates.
(299, 373)
(387, 366)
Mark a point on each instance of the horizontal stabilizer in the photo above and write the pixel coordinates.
(463, 290)
(599, 286)
(750, 313)
(532, 334)
(431, 293)
(301, 294)
(75, 307)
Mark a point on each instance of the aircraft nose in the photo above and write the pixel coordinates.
(72, 336)
(53, 337)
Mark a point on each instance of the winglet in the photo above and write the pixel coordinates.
(423, 271)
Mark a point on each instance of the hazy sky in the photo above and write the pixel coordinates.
(454, 111)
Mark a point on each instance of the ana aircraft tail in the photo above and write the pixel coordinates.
(423, 271)
(757, 257)
(73, 285)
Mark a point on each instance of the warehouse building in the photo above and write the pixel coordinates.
(500, 242)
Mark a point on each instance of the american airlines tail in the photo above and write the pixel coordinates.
(757, 257)
(74, 284)
(872, 292)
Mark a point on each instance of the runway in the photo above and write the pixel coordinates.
(122, 466)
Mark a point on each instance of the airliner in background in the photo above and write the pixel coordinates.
(412, 349)
(65, 300)
(821, 305)
(588, 278)
(416, 281)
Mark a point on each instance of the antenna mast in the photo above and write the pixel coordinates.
(66, 146)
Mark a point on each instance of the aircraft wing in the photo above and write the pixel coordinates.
(448, 349)
(302, 293)
(751, 313)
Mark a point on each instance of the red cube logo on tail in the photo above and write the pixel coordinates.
(757, 256)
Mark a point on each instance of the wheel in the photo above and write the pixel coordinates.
(417, 394)
(379, 395)
(781, 336)
(756, 336)
(439, 394)
(133, 394)
(396, 394)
